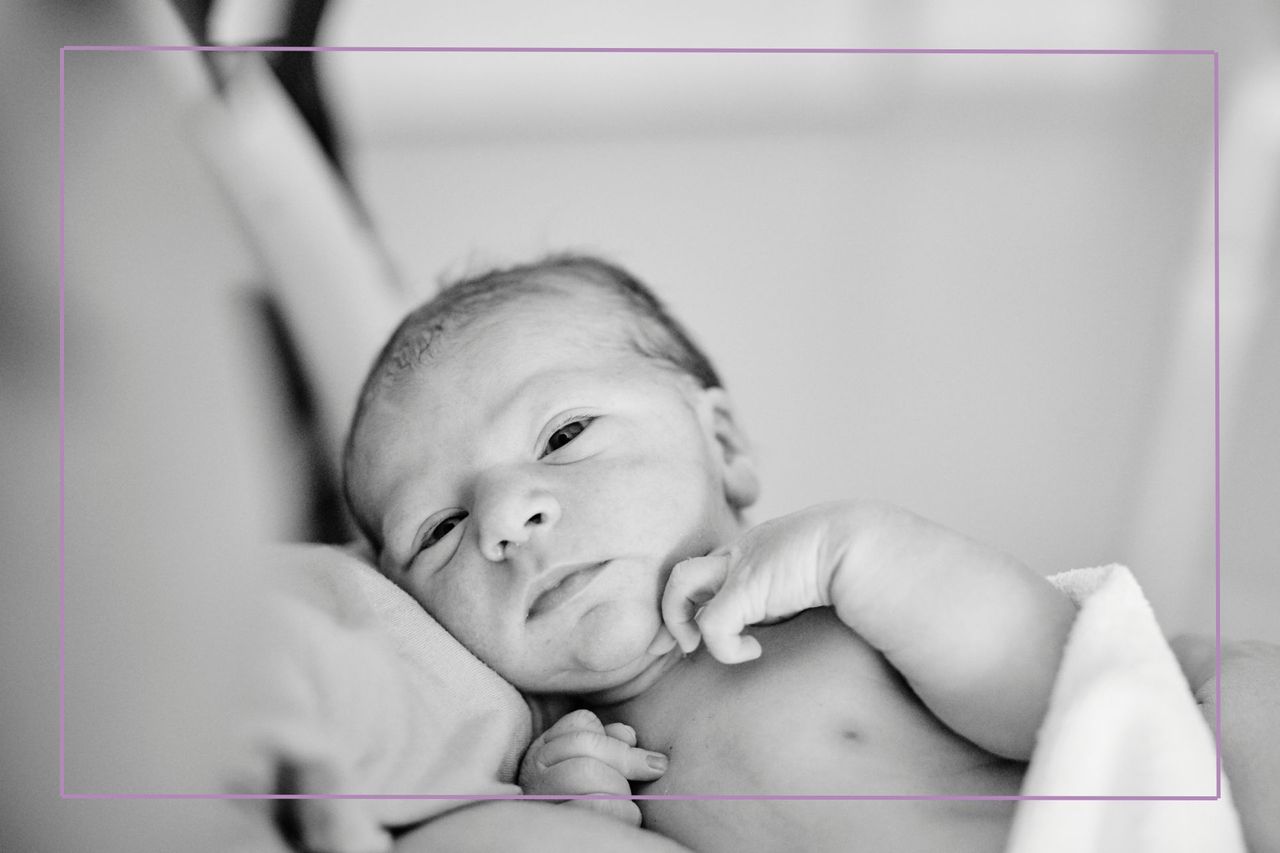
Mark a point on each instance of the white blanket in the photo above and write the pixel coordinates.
(1122, 723)
(361, 692)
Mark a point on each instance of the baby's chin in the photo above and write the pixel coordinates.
(614, 637)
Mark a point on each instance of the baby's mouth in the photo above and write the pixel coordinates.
(571, 582)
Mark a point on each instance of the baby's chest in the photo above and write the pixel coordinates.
(819, 713)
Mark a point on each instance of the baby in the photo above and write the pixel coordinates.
(545, 460)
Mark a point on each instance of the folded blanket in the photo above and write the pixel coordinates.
(359, 691)
(1122, 723)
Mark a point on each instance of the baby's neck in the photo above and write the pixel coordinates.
(633, 687)
(547, 708)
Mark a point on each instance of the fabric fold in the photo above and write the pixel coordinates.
(1122, 723)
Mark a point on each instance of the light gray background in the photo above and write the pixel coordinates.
(980, 293)
(953, 282)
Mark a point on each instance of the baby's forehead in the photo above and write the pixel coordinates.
(520, 353)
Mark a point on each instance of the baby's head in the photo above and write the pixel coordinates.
(532, 452)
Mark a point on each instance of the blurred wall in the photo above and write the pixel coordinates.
(898, 190)
(877, 338)
(1021, 246)
(957, 291)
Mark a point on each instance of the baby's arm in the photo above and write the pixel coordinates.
(976, 634)
(580, 755)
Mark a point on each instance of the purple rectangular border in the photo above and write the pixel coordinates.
(62, 423)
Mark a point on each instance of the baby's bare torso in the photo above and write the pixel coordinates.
(819, 713)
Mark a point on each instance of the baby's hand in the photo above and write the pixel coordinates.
(773, 571)
(579, 755)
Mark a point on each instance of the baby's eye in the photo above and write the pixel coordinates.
(566, 434)
(442, 529)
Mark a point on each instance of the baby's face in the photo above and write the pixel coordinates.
(535, 481)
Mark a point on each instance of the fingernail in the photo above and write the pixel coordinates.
(656, 761)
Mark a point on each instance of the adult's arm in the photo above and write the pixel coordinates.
(529, 827)
(1250, 711)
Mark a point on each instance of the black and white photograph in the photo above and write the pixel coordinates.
(656, 427)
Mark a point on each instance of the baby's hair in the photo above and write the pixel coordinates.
(655, 333)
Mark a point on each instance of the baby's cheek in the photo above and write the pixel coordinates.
(613, 634)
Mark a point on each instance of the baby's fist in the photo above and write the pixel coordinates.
(580, 755)
(771, 572)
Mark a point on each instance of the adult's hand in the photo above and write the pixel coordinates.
(1250, 709)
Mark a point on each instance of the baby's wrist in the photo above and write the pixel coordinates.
(843, 523)
(860, 544)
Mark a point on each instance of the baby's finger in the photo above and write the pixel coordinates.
(722, 622)
(733, 648)
(582, 775)
(692, 583)
(622, 732)
(663, 642)
(630, 762)
(580, 720)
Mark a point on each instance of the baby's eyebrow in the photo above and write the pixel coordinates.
(533, 393)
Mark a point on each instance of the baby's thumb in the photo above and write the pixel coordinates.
(692, 583)
(641, 765)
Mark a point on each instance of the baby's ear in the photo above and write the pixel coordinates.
(741, 484)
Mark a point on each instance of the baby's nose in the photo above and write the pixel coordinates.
(513, 517)
(501, 548)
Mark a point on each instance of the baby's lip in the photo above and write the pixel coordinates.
(562, 584)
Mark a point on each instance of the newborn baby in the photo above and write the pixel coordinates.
(547, 463)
